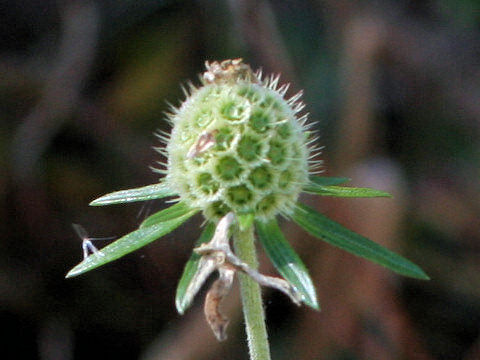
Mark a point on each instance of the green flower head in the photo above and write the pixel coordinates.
(241, 153)
(238, 145)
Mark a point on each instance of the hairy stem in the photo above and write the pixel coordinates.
(251, 297)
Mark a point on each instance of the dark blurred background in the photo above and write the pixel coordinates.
(395, 88)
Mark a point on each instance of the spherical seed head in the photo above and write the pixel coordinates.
(238, 145)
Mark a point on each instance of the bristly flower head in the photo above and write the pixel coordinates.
(240, 153)
(238, 145)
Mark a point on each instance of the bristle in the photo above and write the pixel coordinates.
(158, 171)
(315, 163)
(162, 164)
(316, 148)
(298, 107)
(309, 126)
(259, 74)
(282, 90)
(311, 141)
(165, 133)
(162, 135)
(303, 119)
(191, 87)
(163, 140)
(315, 168)
(314, 155)
(273, 83)
(279, 122)
(161, 151)
(295, 98)
(185, 91)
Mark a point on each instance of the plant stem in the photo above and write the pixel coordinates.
(252, 297)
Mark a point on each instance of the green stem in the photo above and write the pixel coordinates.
(252, 297)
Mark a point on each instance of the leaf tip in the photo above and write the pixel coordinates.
(96, 202)
(180, 306)
(79, 269)
(416, 272)
(423, 276)
(313, 304)
(72, 273)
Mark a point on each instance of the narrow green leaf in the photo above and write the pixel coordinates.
(172, 212)
(286, 261)
(245, 220)
(328, 180)
(341, 191)
(127, 244)
(150, 192)
(182, 299)
(335, 234)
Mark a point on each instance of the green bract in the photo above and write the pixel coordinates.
(240, 153)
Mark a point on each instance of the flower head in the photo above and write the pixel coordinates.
(238, 145)
(241, 153)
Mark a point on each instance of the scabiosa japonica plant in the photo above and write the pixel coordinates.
(241, 153)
